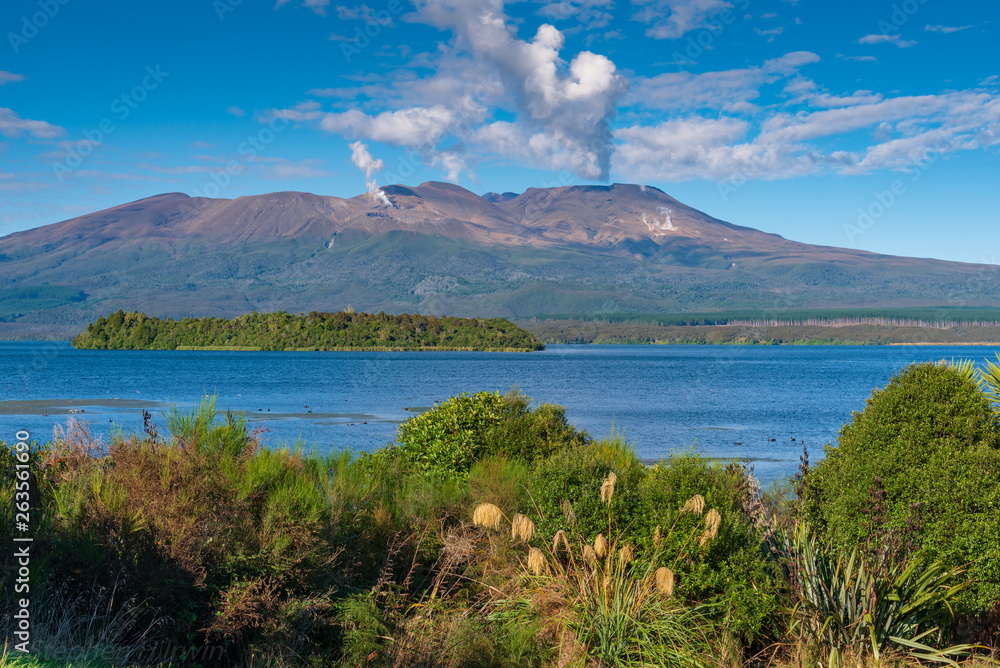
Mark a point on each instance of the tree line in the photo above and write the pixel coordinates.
(343, 330)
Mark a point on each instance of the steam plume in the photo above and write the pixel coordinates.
(369, 165)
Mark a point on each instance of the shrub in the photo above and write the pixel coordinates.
(565, 489)
(230, 543)
(733, 569)
(455, 434)
(922, 458)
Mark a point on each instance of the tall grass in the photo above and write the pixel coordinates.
(92, 627)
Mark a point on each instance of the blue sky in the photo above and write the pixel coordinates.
(863, 124)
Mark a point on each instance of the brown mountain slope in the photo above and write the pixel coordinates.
(439, 248)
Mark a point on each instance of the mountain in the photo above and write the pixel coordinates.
(438, 248)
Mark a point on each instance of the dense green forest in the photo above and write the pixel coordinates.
(315, 331)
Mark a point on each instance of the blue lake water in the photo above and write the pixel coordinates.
(724, 401)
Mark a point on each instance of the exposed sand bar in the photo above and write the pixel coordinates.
(56, 406)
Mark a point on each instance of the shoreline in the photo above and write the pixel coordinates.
(970, 344)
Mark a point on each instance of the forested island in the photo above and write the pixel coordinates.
(345, 330)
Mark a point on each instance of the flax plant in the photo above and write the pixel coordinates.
(852, 607)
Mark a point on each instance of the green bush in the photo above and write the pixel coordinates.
(921, 460)
(565, 489)
(731, 572)
(455, 434)
(732, 569)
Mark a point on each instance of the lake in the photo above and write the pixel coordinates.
(760, 402)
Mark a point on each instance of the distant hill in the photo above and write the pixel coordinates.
(438, 248)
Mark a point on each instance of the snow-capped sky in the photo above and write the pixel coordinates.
(861, 123)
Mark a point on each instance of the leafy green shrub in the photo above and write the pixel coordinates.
(565, 489)
(528, 435)
(455, 434)
(928, 446)
(732, 569)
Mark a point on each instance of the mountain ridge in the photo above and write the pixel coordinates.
(438, 248)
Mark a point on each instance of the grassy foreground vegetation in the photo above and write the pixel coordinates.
(494, 533)
(345, 330)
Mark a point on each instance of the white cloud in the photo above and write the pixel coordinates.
(561, 110)
(679, 149)
(417, 127)
(905, 130)
(590, 14)
(806, 91)
(671, 19)
(236, 111)
(12, 125)
(318, 6)
(946, 29)
(729, 90)
(770, 34)
(573, 110)
(9, 77)
(887, 39)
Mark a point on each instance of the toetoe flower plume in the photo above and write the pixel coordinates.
(536, 560)
(560, 537)
(712, 522)
(696, 505)
(664, 580)
(608, 488)
(626, 555)
(522, 527)
(487, 515)
(600, 546)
